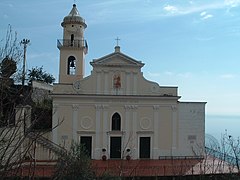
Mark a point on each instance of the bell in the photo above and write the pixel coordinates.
(72, 64)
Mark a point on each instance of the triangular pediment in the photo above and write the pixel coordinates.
(116, 59)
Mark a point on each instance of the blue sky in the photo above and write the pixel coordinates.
(192, 44)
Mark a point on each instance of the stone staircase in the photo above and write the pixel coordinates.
(58, 150)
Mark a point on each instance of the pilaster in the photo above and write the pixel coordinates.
(106, 82)
(105, 127)
(99, 73)
(97, 142)
(75, 109)
(174, 128)
(55, 123)
(156, 131)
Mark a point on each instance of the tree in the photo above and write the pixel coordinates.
(10, 47)
(13, 116)
(8, 67)
(231, 149)
(10, 54)
(17, 122)
(221, 158)
(75, 164)
(38, 74)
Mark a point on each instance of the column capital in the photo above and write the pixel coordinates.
(131, 107)
(55, 106)
(174, 108)
(75, 107)
(101, 106)
(156, 107)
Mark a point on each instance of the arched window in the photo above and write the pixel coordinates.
(71, 66)
(116, 122)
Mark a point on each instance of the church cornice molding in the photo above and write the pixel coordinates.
(103, 61)
(145, 132)
(116, 132)
(110, 96)
(86, 132)
(116, 65)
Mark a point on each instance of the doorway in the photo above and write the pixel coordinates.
(115, 147)
(86, 141)
(145, 147)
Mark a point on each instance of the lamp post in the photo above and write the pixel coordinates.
(25, 43)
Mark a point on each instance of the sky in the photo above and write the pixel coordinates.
(192, 44)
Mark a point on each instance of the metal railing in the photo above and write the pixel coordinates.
(71, 43)
(222, 156)
(179, 157)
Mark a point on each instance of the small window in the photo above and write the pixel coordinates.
(71, 69)
(72, 39)
(116, 122)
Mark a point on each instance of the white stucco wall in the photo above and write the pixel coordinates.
(191, 128)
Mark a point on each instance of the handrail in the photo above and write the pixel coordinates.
(41, 140)
(222, 156)
(71, 43)
(179, 157)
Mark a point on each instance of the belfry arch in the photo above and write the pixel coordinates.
(71, 65)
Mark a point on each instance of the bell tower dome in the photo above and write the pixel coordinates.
(73, 47)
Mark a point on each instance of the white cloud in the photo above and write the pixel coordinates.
(207, 16)
(227, 76)
(193, 9)
(203, 13)
(171, 9)
(109, 11)
(232, 3)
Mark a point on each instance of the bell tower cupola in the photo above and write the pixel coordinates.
(73, 47)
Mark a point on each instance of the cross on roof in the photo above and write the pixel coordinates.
(117, 39)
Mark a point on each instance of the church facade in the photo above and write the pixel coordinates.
(115, 112)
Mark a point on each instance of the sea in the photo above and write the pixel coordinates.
(218, 125)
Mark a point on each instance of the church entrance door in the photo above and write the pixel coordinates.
(145, 147)
(86, 141)
(115, 147)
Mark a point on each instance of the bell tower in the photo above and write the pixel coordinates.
(73, 47)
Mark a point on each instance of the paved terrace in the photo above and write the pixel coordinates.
(130, 168)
